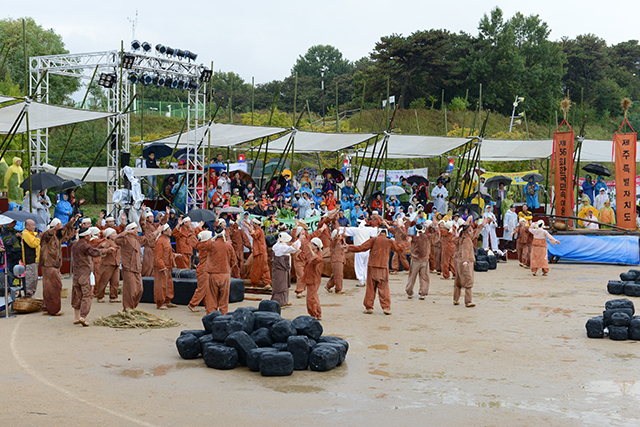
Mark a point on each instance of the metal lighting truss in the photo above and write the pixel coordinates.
(82, 65)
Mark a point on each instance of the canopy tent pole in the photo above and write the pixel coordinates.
(282, 156)
(370, 169)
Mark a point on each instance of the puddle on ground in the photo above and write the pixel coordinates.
(379, 372)
(158, 371)
(614, 388)
(297, 389)
(380, 347)
(418, 350)
(545, 310)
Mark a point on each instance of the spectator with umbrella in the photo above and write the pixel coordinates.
(39, 204)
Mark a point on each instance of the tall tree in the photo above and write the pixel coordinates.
(319, 57)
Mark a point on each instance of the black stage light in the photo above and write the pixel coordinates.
(158, 81)
(170, 51)
(190, 55)
(168, 82)
(193, 86)
(175, 83)
(205, 75)
(127, 61)
(135, 45)
(147, 80)
(180, 84)
(146, 46)
(133, 78)
(160, 48)
(180, 53)
(107, 80)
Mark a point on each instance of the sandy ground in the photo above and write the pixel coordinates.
(521, 357)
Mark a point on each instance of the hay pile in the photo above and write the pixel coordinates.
(135, 319)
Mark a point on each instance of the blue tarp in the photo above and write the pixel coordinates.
(604, 249)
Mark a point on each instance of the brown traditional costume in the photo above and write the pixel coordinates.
(312, 278)
(539, 257)
(337, 262)
(163, 263)
(420, 253)
(181, 234)
(464, 259)
(82, 264)
(202, 278)
(400, 233)
(147, 228)
(50, 262)
(260, 267)
(130, 245)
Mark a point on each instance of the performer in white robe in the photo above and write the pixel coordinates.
(360, 234)
(510, 224)
(440, 194)
(489, 231)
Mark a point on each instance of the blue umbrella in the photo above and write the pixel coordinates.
(182, 153)
(159, 149)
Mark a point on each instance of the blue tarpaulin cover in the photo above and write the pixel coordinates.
(604, 249)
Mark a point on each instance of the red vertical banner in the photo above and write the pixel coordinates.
(625, 156)
(563, 168)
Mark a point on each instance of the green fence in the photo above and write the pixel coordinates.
(169, 109)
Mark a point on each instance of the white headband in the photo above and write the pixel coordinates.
(108, 232)
(131, 226)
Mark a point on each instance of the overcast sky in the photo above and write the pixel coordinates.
(263, 39)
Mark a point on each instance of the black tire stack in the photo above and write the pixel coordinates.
(263, 341)
(629, 284)
(617, 322)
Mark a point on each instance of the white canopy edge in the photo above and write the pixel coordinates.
(6, 99)
(222, 135)
(102, 173)
(42, 116)
(312, 142)
(503, 150)
(410, 146)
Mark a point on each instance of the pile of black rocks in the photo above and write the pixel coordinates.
(485, 261)
(617, 322)
(629, 284)
(262, 340)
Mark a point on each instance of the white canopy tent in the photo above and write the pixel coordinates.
(312, 142)
(43, 116)
(409, 146)
(5, 99)
(507, 150)
(222, 135)
(102, 174)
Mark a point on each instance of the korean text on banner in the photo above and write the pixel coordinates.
(625, 157)
(563, 165)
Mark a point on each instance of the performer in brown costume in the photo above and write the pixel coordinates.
(148, 227)
(239, 240)
(181, 233)
(337, 262)
(448, 249)
(521, 240)
(110, 268)
(260, 267)
(420, 252)
(95, 242)
(130, 244)
(81, 254)
(378, 268)
(202, 273)
(163, 263)
(400, 233)
(50, 262)
(313, 276)
(539, 257)
(464, 259)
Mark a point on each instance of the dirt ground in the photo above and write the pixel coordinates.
(521, 357)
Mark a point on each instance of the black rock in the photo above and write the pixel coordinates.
(634, 328)
(262, 337)
(280, 346)
(246, 317)
(619, 303)
(223, 326)
(620, 319)
(282, 330)
(269, 305)
(236, 290)
(219, 356)
(492, 261)
(265, 319)
(312, 343)
(309, 326)
(252, 309)
(254, 355)
(628, 277)
(298, 346)
(323, 358)
(329, 338)
(188, 346)
(276, 364)
(481, 252)
(342, 351)
(207, 320)
(242, 342)
(632, 289)
(481, 258)
(179, 273)
(618, 333)
(196, 332)
(595, 327)
(205, 339)
(615, 287)
(608, 313)
(481, 266)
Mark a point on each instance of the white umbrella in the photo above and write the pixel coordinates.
(4, 220)
(394, 190)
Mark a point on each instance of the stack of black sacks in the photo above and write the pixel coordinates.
(262, 340)
(617, 321)
(484, 261)
(629, 284)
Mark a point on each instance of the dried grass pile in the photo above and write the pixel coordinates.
(135, 319)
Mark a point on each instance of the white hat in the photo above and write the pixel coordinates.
(94, 231)
(149, 214)
(521, 220)
(205, 235)
(375, 212)
(86, 220)
(284, 237)
(256, 221)
(540, 223)
(428, 223)
(110, 218)
(186, 219)
(165, 227)
(303, 224)
(221, 221)
(131, 226)
(460, 222)
(53, 223)
(108, 232)
(334, 233)
(85, 233)
(448, 225)
(316, 241)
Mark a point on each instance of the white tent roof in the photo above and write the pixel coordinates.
(594, 150)
(5, 98)
(102, 173)
(502, 150)
(222, 135)
(311, 142)
(408, 146)
(43, 116)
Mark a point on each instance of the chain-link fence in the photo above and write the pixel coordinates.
(164, 108)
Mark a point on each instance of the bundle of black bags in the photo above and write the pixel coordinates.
(617, 321)
(262, 340)
(485, 261)
(629, 284)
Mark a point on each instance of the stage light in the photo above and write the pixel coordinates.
(192, 86)
(168, 82)
(160, 48)
(158, 81)
(205, 75)
(175, 83)
(135, 45)
(146, 46)
(107, 80)
(170, 51)
(127, 61)
(133, 78)
(180, 85)
(181, 53)
(190, 55)
(147, 80)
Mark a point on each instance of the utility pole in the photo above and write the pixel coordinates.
(322, 70)
(518, 100)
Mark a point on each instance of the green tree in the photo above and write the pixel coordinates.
(8, 87)
(40, 42)
(319, 57)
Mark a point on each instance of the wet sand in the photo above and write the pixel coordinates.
(521, 357)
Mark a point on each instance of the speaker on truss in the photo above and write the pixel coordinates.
(125, 158)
